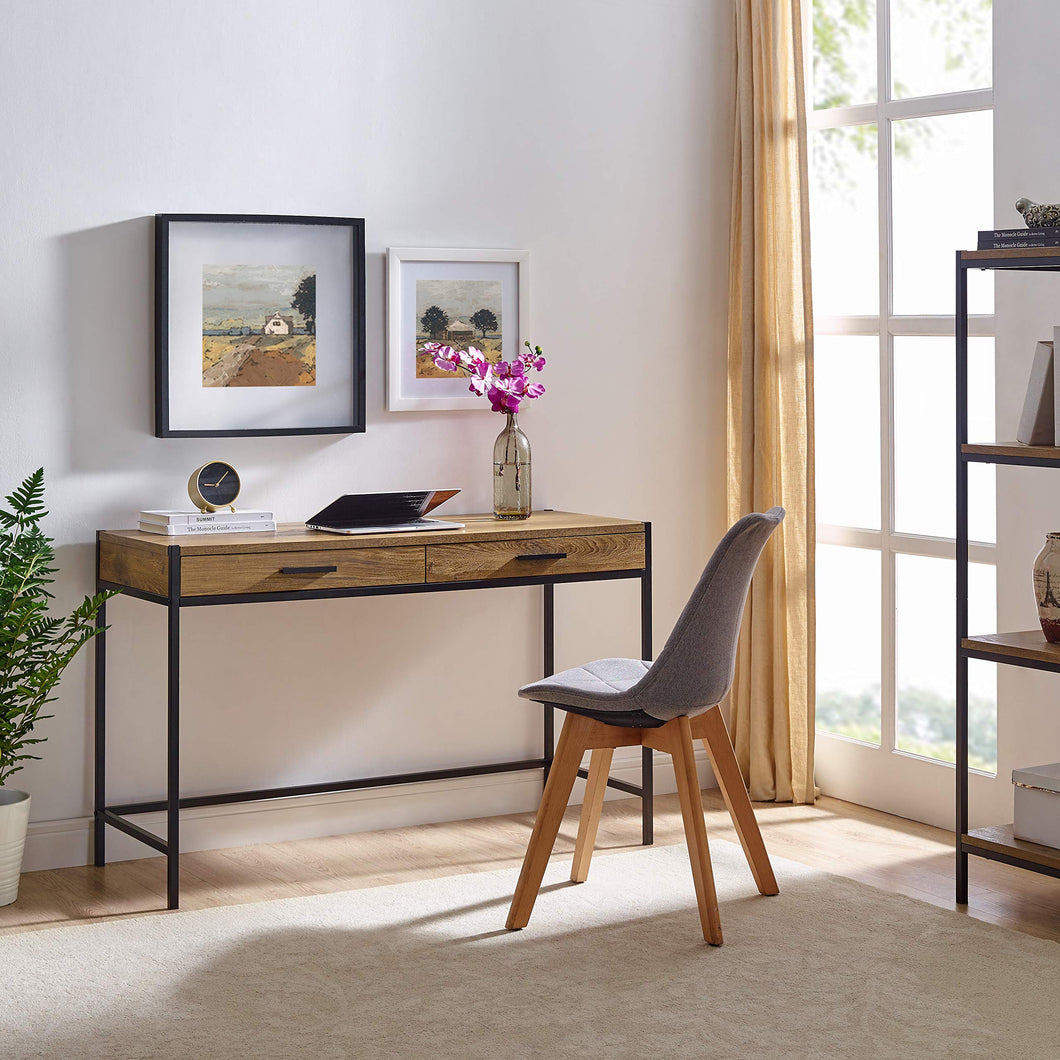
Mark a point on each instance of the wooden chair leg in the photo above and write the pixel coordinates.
(710, 727)
(569, 750)
(595, 787)
(678, 741)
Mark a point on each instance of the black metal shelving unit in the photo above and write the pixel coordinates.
(1026, 648)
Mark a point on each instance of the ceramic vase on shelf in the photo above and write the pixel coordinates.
(511, 472)
(1047, 587)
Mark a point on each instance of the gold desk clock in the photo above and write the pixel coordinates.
(214, 486)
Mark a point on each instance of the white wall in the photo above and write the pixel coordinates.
(597, 136)
(1026, 162)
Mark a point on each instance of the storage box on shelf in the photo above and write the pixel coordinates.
(1036, 805)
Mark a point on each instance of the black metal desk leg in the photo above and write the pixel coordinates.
(549, 667)
(647, 772)
(99, 827)
(173, 735)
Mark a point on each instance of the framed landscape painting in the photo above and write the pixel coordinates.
(259, 325)
(461, 298)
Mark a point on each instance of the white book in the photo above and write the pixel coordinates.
(1053, 391)
(259, 526)
(176, 518)
(1036, 421)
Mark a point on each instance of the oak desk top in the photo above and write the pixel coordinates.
(292, 559)
(295, 536)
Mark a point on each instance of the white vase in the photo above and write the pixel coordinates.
(1047, 587)
(14, 820)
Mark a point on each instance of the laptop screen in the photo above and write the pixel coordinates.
(370, 509)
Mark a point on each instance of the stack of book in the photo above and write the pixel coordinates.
(1015, 238)
(227, 522)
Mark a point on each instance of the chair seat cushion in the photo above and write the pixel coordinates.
(599, 686)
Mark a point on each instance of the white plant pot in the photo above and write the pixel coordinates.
(14, 821)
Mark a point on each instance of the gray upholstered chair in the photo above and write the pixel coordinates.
(664, 705)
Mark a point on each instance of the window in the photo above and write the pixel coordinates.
(901, 177)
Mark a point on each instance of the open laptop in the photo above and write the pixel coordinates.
(383, 513)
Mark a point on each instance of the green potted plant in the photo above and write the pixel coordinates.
(35, 649)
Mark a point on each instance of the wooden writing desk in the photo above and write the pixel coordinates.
(298, 564)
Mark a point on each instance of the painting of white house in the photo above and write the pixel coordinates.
(460, 313)
(258, 325)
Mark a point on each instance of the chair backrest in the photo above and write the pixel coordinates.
(695, 668)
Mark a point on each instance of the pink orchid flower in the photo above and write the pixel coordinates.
(504, 384)
(480, 380)
(446, 358)
(501, 401)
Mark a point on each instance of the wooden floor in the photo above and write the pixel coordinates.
(866, 845)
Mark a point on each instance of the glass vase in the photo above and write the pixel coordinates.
(511, 472)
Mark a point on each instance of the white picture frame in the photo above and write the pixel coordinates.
(453, 281)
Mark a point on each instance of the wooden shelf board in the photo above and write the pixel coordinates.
(1027, 644)
(1033, 452)
(1029, 254)
(999, 838)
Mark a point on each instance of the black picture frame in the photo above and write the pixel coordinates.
(353, 424)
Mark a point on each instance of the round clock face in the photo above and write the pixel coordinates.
(215, 485)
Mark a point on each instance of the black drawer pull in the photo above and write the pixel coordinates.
(308, 570)
(545, 555)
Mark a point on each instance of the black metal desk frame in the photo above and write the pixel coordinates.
(117, 815)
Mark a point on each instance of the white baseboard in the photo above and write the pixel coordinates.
(61, 844)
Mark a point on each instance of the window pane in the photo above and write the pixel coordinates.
(943, 193)
(847, 429)
(848, 642)
(925, 618)
(924, 432)
(940, 46)
(844, 208)
(844, 52)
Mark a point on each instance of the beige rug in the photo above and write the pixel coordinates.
(612, 968)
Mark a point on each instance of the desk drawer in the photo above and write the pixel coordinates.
(278, 572)
(532, 557)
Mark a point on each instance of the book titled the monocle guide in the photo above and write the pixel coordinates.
(177, 523)
(1019, 238)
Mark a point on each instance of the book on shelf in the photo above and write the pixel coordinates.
(178, 518)
(257, 526)
(1019, 233)
(1016, 238)
(1056, 388)
(1020, 244)
(1036, 422)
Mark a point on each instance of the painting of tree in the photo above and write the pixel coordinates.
(485, 320)
(435, 321)
(459, 313)
(305, 301)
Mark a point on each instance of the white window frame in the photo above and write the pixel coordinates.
(887, 325)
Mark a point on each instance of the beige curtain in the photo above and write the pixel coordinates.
(770, 413)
